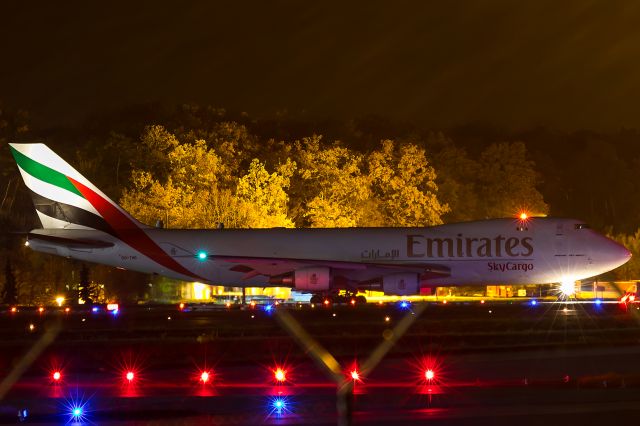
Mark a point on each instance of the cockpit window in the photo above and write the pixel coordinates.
(582, 226)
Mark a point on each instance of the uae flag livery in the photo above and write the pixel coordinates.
(64, 199)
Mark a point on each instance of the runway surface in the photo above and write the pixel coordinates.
(518, 364)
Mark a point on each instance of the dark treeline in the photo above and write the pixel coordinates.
(480, 171)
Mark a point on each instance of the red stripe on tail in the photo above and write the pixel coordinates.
(129, 232)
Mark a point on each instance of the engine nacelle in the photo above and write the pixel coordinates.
(312, 279)
(401, 284)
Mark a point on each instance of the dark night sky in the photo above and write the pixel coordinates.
(563, 64)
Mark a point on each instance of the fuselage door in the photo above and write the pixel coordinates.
(560, 241)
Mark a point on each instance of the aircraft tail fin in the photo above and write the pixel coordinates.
(63, 198)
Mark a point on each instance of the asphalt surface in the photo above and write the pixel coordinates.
(493, 363)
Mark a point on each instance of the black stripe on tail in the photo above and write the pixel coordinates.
(69, 213)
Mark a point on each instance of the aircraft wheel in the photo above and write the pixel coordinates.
(316, 298)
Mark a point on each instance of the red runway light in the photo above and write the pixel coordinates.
(14, 309)
(204, 377)
(326, 302)
(355, 375)
(429, 375)
(130, 376)
(56, 376)
(280, 375)
(353, 302)
(181, 306)
(41, 309)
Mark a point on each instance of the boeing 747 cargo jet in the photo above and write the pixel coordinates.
(81, 222)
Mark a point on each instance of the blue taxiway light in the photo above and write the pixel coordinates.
(279, 406)
(404, 304)
(268, 308)
(598, 302)
(534, 302)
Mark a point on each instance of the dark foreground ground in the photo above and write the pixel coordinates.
(493, 363)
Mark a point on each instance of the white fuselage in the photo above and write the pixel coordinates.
(500, 251)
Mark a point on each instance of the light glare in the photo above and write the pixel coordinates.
(280, 375)
(429, 375)
(567, 287)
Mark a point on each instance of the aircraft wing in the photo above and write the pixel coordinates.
(354, 271)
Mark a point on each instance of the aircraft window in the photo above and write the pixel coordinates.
(522, 228)
(582, 226)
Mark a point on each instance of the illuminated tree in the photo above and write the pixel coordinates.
(404, 182)
(332, 189)
(153, 151)
(507, 182)
(196, 189)
(263, 196)
(456, 179)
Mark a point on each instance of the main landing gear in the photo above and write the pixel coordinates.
(337, 298)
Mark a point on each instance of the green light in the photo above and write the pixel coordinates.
(202, 255)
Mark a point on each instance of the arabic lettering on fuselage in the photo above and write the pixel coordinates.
(377, 254)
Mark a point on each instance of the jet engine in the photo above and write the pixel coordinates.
(405, 284)
(312, 279)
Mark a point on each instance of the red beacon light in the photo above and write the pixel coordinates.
(205, 376)
(56, 376)
(429, 375)
(130, 376)
(355, 376)
(280, 375)
(40, 309)
(326, 302)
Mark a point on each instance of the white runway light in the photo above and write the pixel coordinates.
(567, 287)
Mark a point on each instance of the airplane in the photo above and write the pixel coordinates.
(81, 222)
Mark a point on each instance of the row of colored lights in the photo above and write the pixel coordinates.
(78, 408)
(403, 304)
(111, 307)
(279, 375)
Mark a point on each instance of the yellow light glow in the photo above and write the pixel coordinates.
(59, 300)
(524, 216)
(201, 291)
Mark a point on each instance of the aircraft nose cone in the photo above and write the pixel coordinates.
(619, 254)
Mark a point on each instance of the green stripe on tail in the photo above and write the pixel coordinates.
(44, 173)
